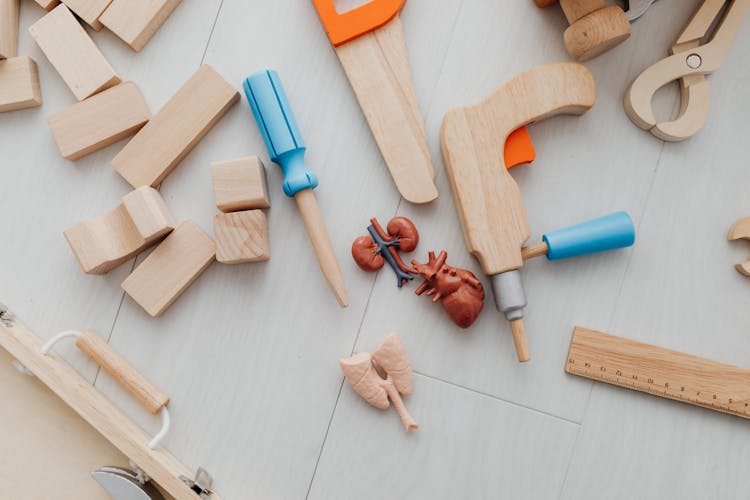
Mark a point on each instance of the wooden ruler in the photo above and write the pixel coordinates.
(658, 371)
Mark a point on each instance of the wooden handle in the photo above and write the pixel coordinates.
(93, 346)
(487, 198)
(519, 339)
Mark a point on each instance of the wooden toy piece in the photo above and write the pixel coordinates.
(136, 21)
(240, 184)
(392, 359)
(594, 27)
(48, 5)
(171, 268)
(458, 290)
(101, 353)
(286, 147)
(699, 51)
(741, 231)
(88, 10)
(377, 67)
(102, 244)
(99, 121)
(162, 467)
(73, 54)
(241, 237)
(176, 129)
(660, 372)
(372, 252)
(9, 11)
(19, 84)
(473, 139)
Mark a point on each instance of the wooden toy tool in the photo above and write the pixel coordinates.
(283, 139)
(699, 51)
(487, 198)
(595, 27)
(741, 231)
(145, 452)
(370, 44)
(660, 372)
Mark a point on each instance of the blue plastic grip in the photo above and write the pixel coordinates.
(599, 235)
(279, 129)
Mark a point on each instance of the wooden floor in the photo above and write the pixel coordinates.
(249, 354)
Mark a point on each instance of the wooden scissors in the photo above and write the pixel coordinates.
(699, 51)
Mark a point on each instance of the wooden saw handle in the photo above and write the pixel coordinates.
(99, 351)
(487, 198)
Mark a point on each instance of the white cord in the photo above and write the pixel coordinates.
(57, 338)
(140, 476)
(165, 423)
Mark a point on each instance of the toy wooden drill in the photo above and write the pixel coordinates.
(487, 198)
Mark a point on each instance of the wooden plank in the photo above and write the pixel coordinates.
(660, 372)
(9, 11)
(99, 121)
(48, 4)
(176, 129)
(136, 21)
(88, 10)
(171, 268)
(73, 54)
(19, 84)
(377, 66)
(106, 418)
(103, 243)
(240, 184)
(241, 237)
(37, 432)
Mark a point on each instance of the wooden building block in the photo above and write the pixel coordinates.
(171, 268)
(73, 54)
(48, 4)
(88, 10)
(99, 121)
(102, 244)
(136, 21)
(9, 10)
(176, 129)
(19, 84)
(240, 184)
(241, 237)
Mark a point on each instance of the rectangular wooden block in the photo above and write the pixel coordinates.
(48, 4)
(241, 237)
(171, 268)
(240, 184)
(99, 121)
(19, 84)
(136, 21)
(9, 10)
(88, 10)
(176, 129)
(73, 54)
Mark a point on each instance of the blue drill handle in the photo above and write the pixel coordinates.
(279, 129)
(599, 235)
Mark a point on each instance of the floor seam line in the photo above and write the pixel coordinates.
(497, 398)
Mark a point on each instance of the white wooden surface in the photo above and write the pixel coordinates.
(249, 354)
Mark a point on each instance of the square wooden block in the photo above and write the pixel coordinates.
(240, 184)
(241, 237)
(19, 84)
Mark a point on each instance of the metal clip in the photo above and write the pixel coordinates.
(6, 317)
(201, 484)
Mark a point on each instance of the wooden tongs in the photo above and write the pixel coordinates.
(700, 50)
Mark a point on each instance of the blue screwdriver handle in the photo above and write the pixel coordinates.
(279, 129)
(599, 235)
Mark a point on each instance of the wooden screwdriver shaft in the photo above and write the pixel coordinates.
(321, 242)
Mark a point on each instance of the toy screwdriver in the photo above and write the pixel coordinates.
(287, 149)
